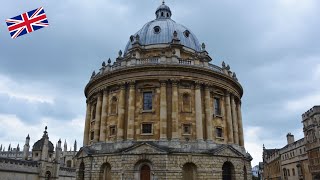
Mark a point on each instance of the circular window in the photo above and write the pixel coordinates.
(156, 29)
(186, 33)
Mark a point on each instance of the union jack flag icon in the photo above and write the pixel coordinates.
(27, 22)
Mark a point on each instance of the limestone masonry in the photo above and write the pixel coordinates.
(163, 111)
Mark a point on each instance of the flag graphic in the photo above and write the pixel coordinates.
(27, 22)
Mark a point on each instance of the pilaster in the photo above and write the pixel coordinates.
(234, 121)
(131, 110)
(121, 115)
(98, 118)
(163, 110)
(208, 111)
(198, 109)
(175, 108)
(229, 118)
(241, 138)
(86, 133)
(104, 116)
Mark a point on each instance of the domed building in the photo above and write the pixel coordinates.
(163, 111)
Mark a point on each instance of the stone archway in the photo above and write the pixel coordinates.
(143, 170)
(81, 171)
(228, 172)
(105, 172)
(189, 171)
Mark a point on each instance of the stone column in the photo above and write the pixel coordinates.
(175, 109)
(131, 110)
(163, 110)
(208, 114)
(87, 125)
(229, 118)
(234, 121)
(240, 126)
(104, 117)
(98, 118)
(121, 109)
(198, 109)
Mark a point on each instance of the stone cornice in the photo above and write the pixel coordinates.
(152, 72)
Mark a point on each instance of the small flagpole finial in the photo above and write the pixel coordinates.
(163, 2)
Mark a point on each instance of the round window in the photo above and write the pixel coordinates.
(156, 29)
(186, 33)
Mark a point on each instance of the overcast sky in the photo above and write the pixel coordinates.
(272, 45)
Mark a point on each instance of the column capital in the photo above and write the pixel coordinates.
(99, 94)
(132, 83)
(163, 83)
(198, 84)
(175, 82)
(227, 93)
(122, 85)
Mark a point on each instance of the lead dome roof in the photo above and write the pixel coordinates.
(148, 34)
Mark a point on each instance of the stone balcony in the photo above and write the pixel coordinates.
(122, 64)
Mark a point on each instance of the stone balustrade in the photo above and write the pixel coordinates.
(157, 60)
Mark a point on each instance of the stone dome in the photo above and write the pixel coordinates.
(39, 144)
(161, 30)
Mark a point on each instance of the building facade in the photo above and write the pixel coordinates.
(311, 129)
(41, 163)
(163, 111)
(288, 163)
(298, 159)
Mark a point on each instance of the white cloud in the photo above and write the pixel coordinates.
(14, 130)
(30, 92)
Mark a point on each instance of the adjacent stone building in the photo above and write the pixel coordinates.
(288, 163)
(311, 129)
(298, 159)
(42, 163)
(163, 111)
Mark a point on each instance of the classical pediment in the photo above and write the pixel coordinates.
(226, 150)
(84, 151)
(145, 148)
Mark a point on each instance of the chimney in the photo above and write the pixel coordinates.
(290, 138)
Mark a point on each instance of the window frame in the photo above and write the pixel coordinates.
(190, 129)
(111, 127)
(216, 132)
(219, 114)
(143, 100)
(188, 109)
(116, 108)
(146, 123)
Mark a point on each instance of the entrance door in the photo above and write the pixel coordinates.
(145, 173)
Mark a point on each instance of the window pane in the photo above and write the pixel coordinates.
(186, 129)
(219, 132)
(147, 101)
(146, 128)
(217, 108)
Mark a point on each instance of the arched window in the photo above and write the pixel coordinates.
(167, 14)
(189, 171)
(81, 171)
(228, 172)
(48, 175)
(105, 172)
(245, 173)
(114, 105)
(94, 112)
(186, 102)
(162, 14)
(145, 172)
